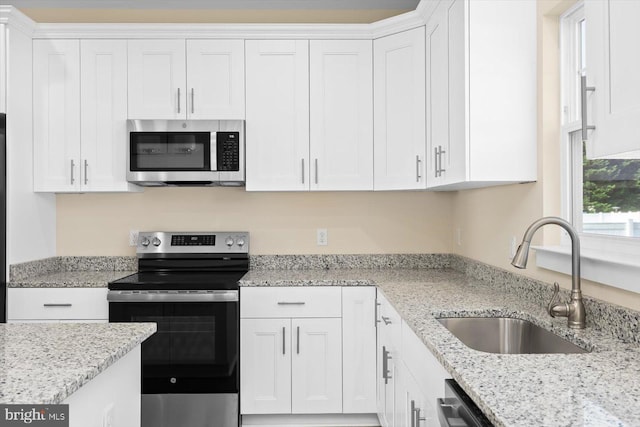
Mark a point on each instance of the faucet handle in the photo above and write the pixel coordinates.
(554, 299)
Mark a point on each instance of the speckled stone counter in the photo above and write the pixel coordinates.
(70, 279)
(601, 388)
(44, 363)
(70, 272)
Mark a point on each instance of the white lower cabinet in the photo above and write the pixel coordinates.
(294, 343)
(410, 378)
(316, 366)
(57, 305)
(265, 360)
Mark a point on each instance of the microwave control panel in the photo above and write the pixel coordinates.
(228, 151)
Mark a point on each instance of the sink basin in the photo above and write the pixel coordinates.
(506, 335)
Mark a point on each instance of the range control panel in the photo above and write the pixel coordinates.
(159, 242)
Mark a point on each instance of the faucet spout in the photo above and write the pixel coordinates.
(574, 309)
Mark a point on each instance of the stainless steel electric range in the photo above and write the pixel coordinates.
(187, 283)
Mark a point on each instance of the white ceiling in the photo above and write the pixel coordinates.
(215, 4)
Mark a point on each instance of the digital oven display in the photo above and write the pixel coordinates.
(201, 240)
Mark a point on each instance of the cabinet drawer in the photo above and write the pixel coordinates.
(57, 303)
(323, 301)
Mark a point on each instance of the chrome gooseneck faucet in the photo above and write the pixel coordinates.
(574, 309)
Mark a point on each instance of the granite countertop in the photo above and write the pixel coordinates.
(69, 279)
(601, 388)
(44, 363)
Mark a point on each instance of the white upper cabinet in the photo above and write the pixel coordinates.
(56, 115)
(215, 79)
(613, 60)
(157, 79)
(341, 78)
(103, 123)
(399, 111)
(481, 117)
(192, 79)
(277, 107)
(80, 112)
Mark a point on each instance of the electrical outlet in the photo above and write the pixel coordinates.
(133, 237)
(323, 237)
(107, 416)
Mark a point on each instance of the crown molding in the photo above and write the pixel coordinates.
(11, 16)
(205, 31)
(385, 27)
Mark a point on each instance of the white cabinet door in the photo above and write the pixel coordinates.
(316, 366)
(215, 79)
(399, 111)
(56, 115)
(103, 124)
(277, 111)
(157, 78)
(446, 94)
(612, 63)
(359, 350)
(265, 366)
(437, 91)
(341, 77)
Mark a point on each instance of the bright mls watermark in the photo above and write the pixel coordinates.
(34, 415)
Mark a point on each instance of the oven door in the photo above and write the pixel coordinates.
(195, 348)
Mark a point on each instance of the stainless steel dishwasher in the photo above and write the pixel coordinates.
(457, 409)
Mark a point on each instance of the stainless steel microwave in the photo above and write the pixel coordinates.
(186, 153)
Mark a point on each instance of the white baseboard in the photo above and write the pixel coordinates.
(311, 420)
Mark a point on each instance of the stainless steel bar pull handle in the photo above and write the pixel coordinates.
(179, 100)
(73, 166)
(193, 100)
(291, 303)
(298, 340)
(86, 168)
(386, 356)
(583, 105)
(412, 415)
(67, 304)
(375, 315)
(441, 169)
(316, 161)
(284, 349)
(303, 171)
(418, 169)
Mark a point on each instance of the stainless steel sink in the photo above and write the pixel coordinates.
(507, 336)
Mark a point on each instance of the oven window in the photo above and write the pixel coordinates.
(170, 151)
(195, 349)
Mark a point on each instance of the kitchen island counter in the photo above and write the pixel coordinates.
(600, 388)
(44, 363)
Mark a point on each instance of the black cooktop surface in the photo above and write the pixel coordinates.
(227, 280)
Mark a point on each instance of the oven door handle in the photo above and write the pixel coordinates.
(205, 296)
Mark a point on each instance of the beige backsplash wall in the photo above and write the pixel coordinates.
(279, 223)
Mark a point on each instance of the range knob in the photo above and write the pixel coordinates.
(229, 241)
(145, 242)
(156, 241)
(240, 242)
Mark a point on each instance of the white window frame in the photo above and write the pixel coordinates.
(611, 260)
